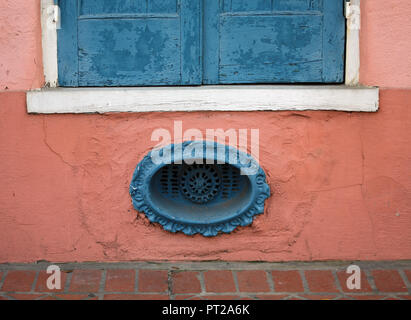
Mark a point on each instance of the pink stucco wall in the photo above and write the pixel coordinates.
(385, 43)
(341, 182)
(21, 65)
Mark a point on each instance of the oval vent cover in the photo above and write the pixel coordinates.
(208, 192)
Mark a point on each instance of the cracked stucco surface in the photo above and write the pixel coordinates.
(341, 182)
(340, 186)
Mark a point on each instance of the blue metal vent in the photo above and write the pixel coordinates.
(211, 194)
(200, 183)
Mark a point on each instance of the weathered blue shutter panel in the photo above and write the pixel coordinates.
(190, 42)
(273, 41)
(129, 42)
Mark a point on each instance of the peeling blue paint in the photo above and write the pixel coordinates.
(192, 42)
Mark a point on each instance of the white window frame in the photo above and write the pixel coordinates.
(348, 97)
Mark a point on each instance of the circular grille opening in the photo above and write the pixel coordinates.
(208, 197)
(200, 183)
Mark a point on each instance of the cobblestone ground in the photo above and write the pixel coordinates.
(210, 280)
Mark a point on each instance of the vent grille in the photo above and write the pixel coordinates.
(200, 183)
(231, 180)
(208, 198)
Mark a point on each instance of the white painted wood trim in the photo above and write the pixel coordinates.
(204, 98)
(49, 25)
(352, 61)
(49, 41)
(208, 98)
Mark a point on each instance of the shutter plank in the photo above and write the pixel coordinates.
(283, 41)
(211, 42)
(129, 52)
(191, 48)
(94, 7)
(264, 49)
(135, 42)
(247, 5)
(334, 41)
(67, 47)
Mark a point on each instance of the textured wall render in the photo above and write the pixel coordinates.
(21, 64)
(341, 182)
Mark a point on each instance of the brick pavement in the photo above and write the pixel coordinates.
(208, 280)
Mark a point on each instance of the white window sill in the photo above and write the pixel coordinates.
(204, 98)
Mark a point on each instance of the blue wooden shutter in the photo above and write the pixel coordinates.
(273, 41)
(189, 42)
(129, 42)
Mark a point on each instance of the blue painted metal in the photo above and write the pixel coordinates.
(207, 198)
(192, 42)
(198, 183)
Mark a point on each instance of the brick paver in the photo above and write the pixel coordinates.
(271, 297)
(72, 297)
(220, 297)
(253, 281)
(186, 282)
(389, 281)
(230, 282)
(136, 297)
(23, 296)
(19, 281)
(153, 281)
(318, 297)
(120, 280)
(321, 281)
(219, 281)
(85, 281)
(287, 281)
